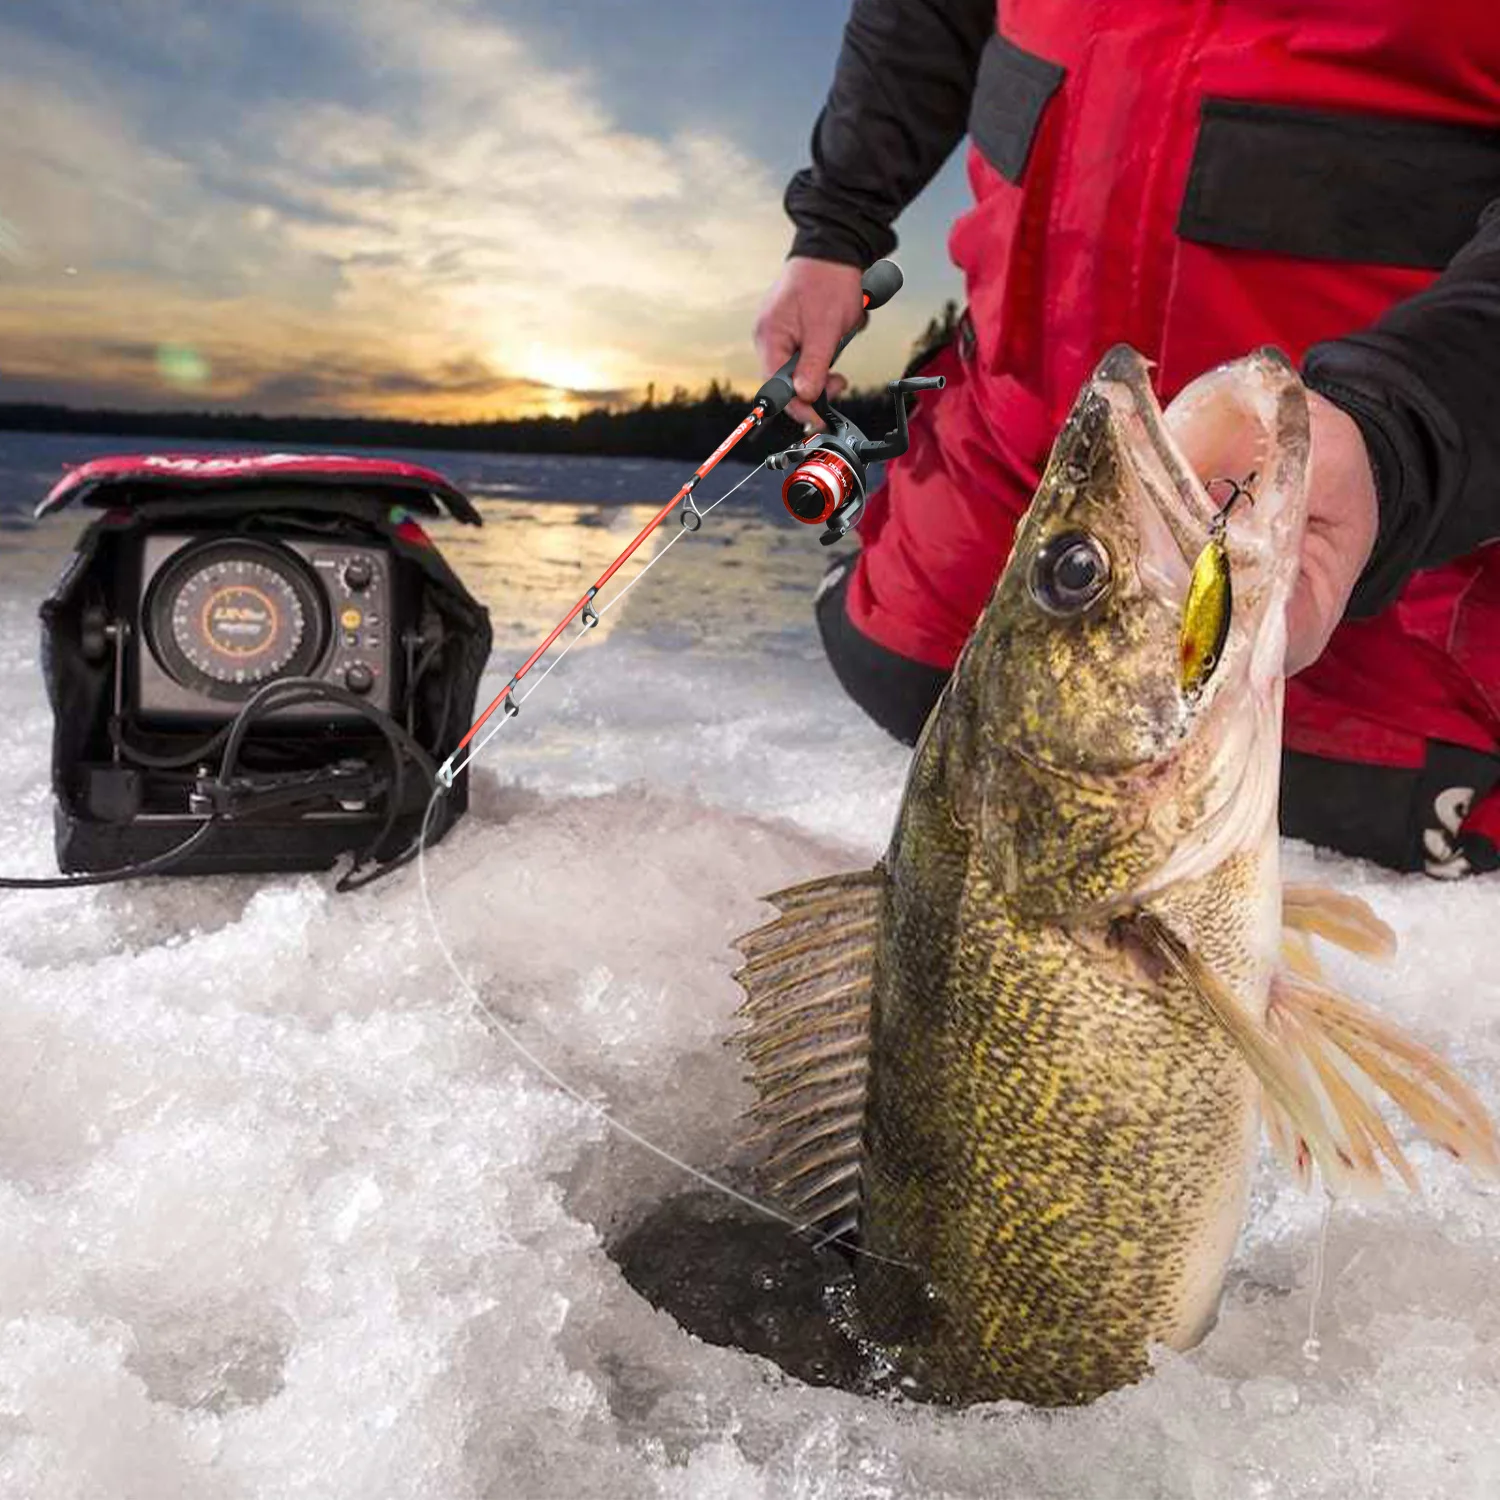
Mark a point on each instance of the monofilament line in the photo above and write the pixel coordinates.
(486, 1014)
(600, 612)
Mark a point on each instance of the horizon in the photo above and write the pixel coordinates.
(623, 404)
(396, 211)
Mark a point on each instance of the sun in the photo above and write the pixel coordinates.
(562, 369)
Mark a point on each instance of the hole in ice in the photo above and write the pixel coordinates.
(742, 1281)
(599, 931)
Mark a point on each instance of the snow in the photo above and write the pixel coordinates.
(280, 1217)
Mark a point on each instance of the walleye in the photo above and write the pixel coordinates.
(1025, 1059)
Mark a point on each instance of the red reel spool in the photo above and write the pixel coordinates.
(817, 487)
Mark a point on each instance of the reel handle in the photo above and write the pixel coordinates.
(895, 442)
(879, 284)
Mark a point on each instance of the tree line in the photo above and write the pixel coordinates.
(684, 426)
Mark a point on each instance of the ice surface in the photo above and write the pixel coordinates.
(279, 1217)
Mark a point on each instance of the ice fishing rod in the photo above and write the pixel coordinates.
(827, 487)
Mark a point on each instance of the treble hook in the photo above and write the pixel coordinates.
(1238, 490)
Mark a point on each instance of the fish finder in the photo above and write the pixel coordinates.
(255, 662)
(221, 618)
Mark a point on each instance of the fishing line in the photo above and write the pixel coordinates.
(486, 1013)
(1312, 1345)
(488, 1018)
(598, 614)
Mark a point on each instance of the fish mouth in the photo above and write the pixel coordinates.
(1227, 457)
(1178, 513)
(1247, 423)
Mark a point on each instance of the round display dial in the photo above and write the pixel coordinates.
(228, 617)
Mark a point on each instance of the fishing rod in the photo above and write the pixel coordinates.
(827, 486)
(827, 483)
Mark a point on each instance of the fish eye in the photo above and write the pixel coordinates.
(1069, 573)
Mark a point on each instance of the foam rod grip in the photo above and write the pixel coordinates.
(880, 283)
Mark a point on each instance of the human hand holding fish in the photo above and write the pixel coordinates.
(1342, 523)
(1339, 535)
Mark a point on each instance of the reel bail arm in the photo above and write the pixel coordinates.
(829, 479)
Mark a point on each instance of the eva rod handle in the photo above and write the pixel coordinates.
(879, 284)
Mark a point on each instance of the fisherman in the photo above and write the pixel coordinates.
(1195, 180)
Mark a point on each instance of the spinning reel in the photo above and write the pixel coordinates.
(828, 482)
(826, 487)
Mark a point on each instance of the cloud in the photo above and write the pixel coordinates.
(445, 225)
(291, 367)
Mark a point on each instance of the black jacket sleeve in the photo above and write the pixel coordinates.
(898, 106)
(1424, 385)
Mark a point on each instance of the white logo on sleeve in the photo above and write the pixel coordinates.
(1444, 862)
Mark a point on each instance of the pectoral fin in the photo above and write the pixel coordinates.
(1320, 1059)
(1355, 1053)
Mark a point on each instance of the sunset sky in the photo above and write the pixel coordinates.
(428, 208)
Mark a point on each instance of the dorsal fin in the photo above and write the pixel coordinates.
(807, 1006)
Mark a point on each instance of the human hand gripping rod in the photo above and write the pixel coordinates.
(879, 284)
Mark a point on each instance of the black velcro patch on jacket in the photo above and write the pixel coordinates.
(1010, 93)
(1333, 185)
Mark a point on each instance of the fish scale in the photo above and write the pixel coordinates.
(1085, 1120)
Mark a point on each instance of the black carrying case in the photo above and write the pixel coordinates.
(369, 509)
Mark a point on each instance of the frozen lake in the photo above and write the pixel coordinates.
(279, 1217)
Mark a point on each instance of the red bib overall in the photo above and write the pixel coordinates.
(1196, 178)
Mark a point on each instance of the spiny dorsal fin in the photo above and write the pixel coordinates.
(806, 980)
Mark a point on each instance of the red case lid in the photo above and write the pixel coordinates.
(121, 478)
